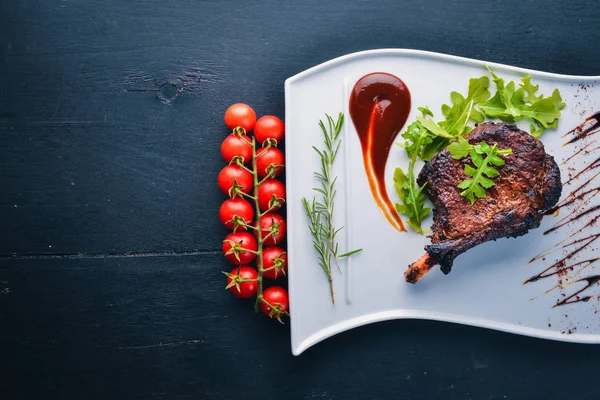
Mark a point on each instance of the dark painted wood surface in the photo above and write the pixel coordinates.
(109, 240)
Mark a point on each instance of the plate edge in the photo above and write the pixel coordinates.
(442, 317)
(432, 55)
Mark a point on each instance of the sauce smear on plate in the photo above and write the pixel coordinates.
(379, 107)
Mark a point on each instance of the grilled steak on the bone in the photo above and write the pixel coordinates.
(529, 183)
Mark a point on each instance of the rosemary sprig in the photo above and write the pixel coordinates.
(317, 227)
(320, 211)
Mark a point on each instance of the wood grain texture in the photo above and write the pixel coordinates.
(110, 283)
(162, 327)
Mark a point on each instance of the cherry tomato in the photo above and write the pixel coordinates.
(269, 158)
(237, 282)
(240, 114)
(275, 258)
(271, 192)
(269, 127)
(233, 210)
(235, 248)
(235, 174)
(236, 145)
(278, 299)
(275, 225)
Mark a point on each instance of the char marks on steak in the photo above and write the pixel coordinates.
(529, 183)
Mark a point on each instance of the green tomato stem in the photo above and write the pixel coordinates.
(260, 239)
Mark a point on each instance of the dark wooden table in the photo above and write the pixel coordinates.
(109, 239)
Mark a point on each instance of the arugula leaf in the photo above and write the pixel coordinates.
(418, 142)
(530, 89)
(506, 104)
(434, 128)
(506, 95)
(558, 102)
(476, 116)
(462, 110)
(416, 137)
(412, 197)
(494, 107)
(482, 175)
(478, 89)
(544, 111)
(460, 149)
(456, 125)
(425, 111)
(497, 80)
(511, 104)
(432, 148)
(536, 131)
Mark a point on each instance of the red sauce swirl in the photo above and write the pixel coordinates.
(379, 107)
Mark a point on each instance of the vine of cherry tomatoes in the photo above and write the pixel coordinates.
(253, 210)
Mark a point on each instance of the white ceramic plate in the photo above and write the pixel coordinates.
(485, 287)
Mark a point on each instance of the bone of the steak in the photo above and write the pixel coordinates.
(419, 268)
(529, 183)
